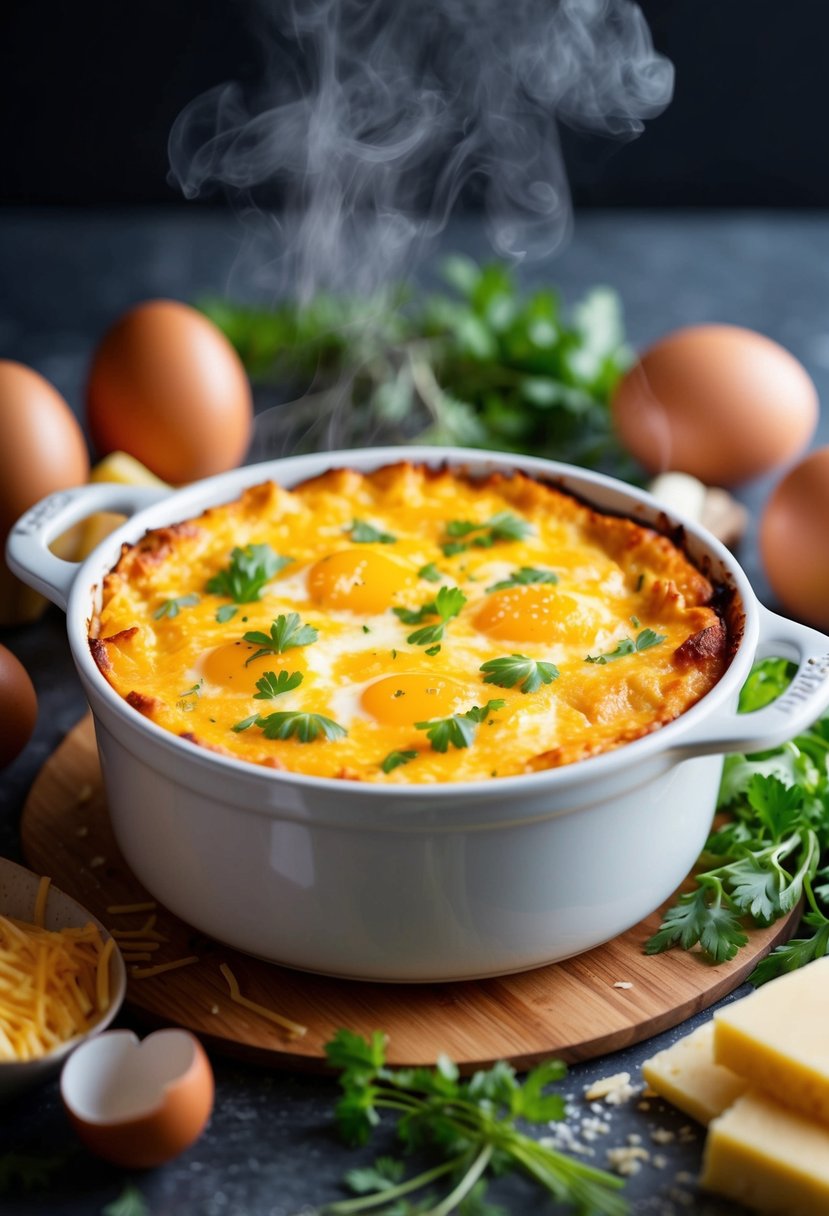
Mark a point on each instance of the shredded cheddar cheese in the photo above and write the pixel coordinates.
(54, 985)
(294, 1029)
(146, 973)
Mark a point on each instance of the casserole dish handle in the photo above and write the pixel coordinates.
(803, 701)
(27, 550)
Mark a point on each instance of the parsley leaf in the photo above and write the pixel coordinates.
(129, 1203)
(248, 571)
(447, 604)
(458, 729)
(699, 917)
(394, 759)
(469, 1128)
(174, 606)
(226, 613)
(366, 534)
(305, 727)
(286, 633)
(765, 857)
(245, 724)
(272, 685)
(644, 641)
(506, 672)
(525, 577)
(430, 572)
(503, 526)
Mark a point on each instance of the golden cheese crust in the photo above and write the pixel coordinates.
(409, 625)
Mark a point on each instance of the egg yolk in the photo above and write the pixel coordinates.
(405, 699)
(530, 614)
(226, 666)
(358, 580)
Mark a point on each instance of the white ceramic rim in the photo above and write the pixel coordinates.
(76, 585)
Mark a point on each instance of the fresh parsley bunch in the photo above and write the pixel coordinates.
(467, 1127)
(770, 852)
(481, 363)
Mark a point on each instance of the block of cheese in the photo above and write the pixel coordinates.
(686, 1075)
(779, 1037)
(769, 1158)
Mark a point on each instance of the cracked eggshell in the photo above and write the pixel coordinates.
(138, 1103)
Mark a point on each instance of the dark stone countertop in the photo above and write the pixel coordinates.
(270, 1149)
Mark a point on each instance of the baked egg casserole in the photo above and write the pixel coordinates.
(409, 625)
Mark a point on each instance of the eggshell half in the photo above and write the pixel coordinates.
(722, 403)
(138, 1104)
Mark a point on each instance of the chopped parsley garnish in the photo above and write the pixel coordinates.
(458, 729)
(226, 613)
(394, 759)
(447, 604)
(430, 572)
(462, 533)
(304, 727)
(524, 578)
(174, 606)
(195, 691)
(245, 724)
(432, 650)
(644, 641)
(366, 534)
(272, 685)
(286, 633)
(465, 1131)
(248, 571)
(508, 671)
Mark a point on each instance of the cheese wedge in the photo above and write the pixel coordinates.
(779, 1037)
(686, 1075)
(124, 470)
(769, 1158)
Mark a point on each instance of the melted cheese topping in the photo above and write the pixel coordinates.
(197, 676)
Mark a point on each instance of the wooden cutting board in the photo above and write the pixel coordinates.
(586, 1006)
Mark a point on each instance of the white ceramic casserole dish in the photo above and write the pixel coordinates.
(414, 883)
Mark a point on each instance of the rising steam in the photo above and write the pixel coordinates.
(371, 116)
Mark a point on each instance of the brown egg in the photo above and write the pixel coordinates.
(18, 707)
(721, 403)
(167, 387)
(138, 1104)
(794, 539)
(42, 449)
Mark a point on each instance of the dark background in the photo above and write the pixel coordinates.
(88, 92)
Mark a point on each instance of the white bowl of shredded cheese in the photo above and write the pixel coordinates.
(62, 977)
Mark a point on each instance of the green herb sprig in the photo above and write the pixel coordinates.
(302, 726)
(395, 759)
(482, 363)
(172, 607)
(469, 1127)
(286, 633)
(644, 641)
(249, 570)
(272, 685)
(463, 533)
(526, 576)
(458, 729)
(447, 604)
(769, 852)
(366, 534)
(512, 669)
